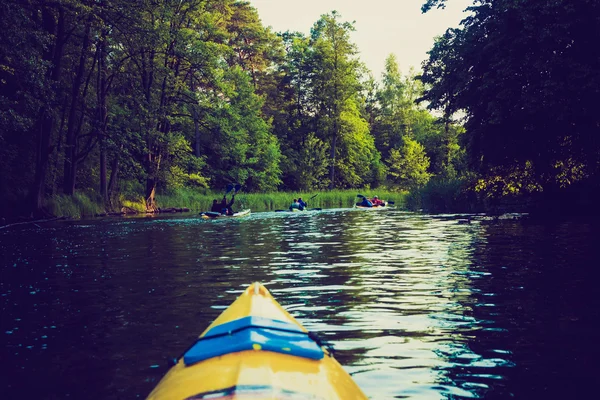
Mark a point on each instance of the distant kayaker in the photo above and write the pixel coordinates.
(295, 205)
(226, 207)
(376, 202)
(216, 207)
(365, 203)
(302, 204)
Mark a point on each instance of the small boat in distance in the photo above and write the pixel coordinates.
(384, 205)
(213, 215)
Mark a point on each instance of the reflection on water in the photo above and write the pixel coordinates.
(416, 306)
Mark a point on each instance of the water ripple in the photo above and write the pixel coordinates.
(416, 306)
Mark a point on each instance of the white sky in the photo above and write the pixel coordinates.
(382, 26)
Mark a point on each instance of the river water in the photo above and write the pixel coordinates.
(416, 306)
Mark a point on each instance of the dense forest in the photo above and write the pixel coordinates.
(113, 98)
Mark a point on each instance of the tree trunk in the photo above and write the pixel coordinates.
(70, 167)
(196, 131)
(103, 185)
(112, 183)
(150, 194)
(45, 120)
(45, 125)
(102, 114)
(332, 165)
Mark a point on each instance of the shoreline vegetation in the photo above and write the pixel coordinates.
(438, 196)
(105, 109)
(83, 205)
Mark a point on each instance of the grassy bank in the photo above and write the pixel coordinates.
(83, 205)
(198, 201)
(77, 206)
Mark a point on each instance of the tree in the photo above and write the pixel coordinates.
(294, 115)
(409, 164)
(335, 80)
(358, 161)
(526, 75)
(30, 68)
(390, 123)
(241, 148)
(161, 55)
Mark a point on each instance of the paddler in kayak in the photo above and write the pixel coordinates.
(365, 203)
(377, 202)
(295, 205)
(226, 207)
(302, 204)
(223, 207)
(216, 206)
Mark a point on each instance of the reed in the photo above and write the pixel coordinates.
(83, 205)
(202, 201)
(77, 206)
(443, 196)
(138, 204)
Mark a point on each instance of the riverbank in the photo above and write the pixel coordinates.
(82, 205)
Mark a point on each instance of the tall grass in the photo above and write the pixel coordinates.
(202, 201)
(137, 204)
(83, 205)
(77, 206)
(443, 196)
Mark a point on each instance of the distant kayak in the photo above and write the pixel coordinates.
(386, 205)
(296, 210)
(213, 215)
(256, 350)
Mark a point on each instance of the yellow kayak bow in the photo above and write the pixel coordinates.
(256, 350)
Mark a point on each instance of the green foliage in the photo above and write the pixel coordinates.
(429, 4)
(270, 201)
(357, 156)
(525, 73)
(335, 81)
(517, 180)
(311, 167)
(77, 206)
(409, 165)
(444, 195)
(243, 149)
(129, 99)
(136, 204)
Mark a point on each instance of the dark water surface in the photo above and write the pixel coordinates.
(417, 306)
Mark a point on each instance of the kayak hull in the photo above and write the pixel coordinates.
(295, 210)
(214, 215)
(258, 373)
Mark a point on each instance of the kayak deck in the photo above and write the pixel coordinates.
(256, 350)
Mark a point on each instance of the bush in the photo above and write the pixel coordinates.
(443, 196)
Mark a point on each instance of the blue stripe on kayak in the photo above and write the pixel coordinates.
(251, 321)
(253, 333)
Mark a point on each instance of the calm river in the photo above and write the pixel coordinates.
(416, 306)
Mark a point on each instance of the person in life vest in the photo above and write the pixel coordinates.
(302, 204)
(377, 202)
(216, 206)
(365, 203)
(225, 207)
(295, 205)
(229, 209)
